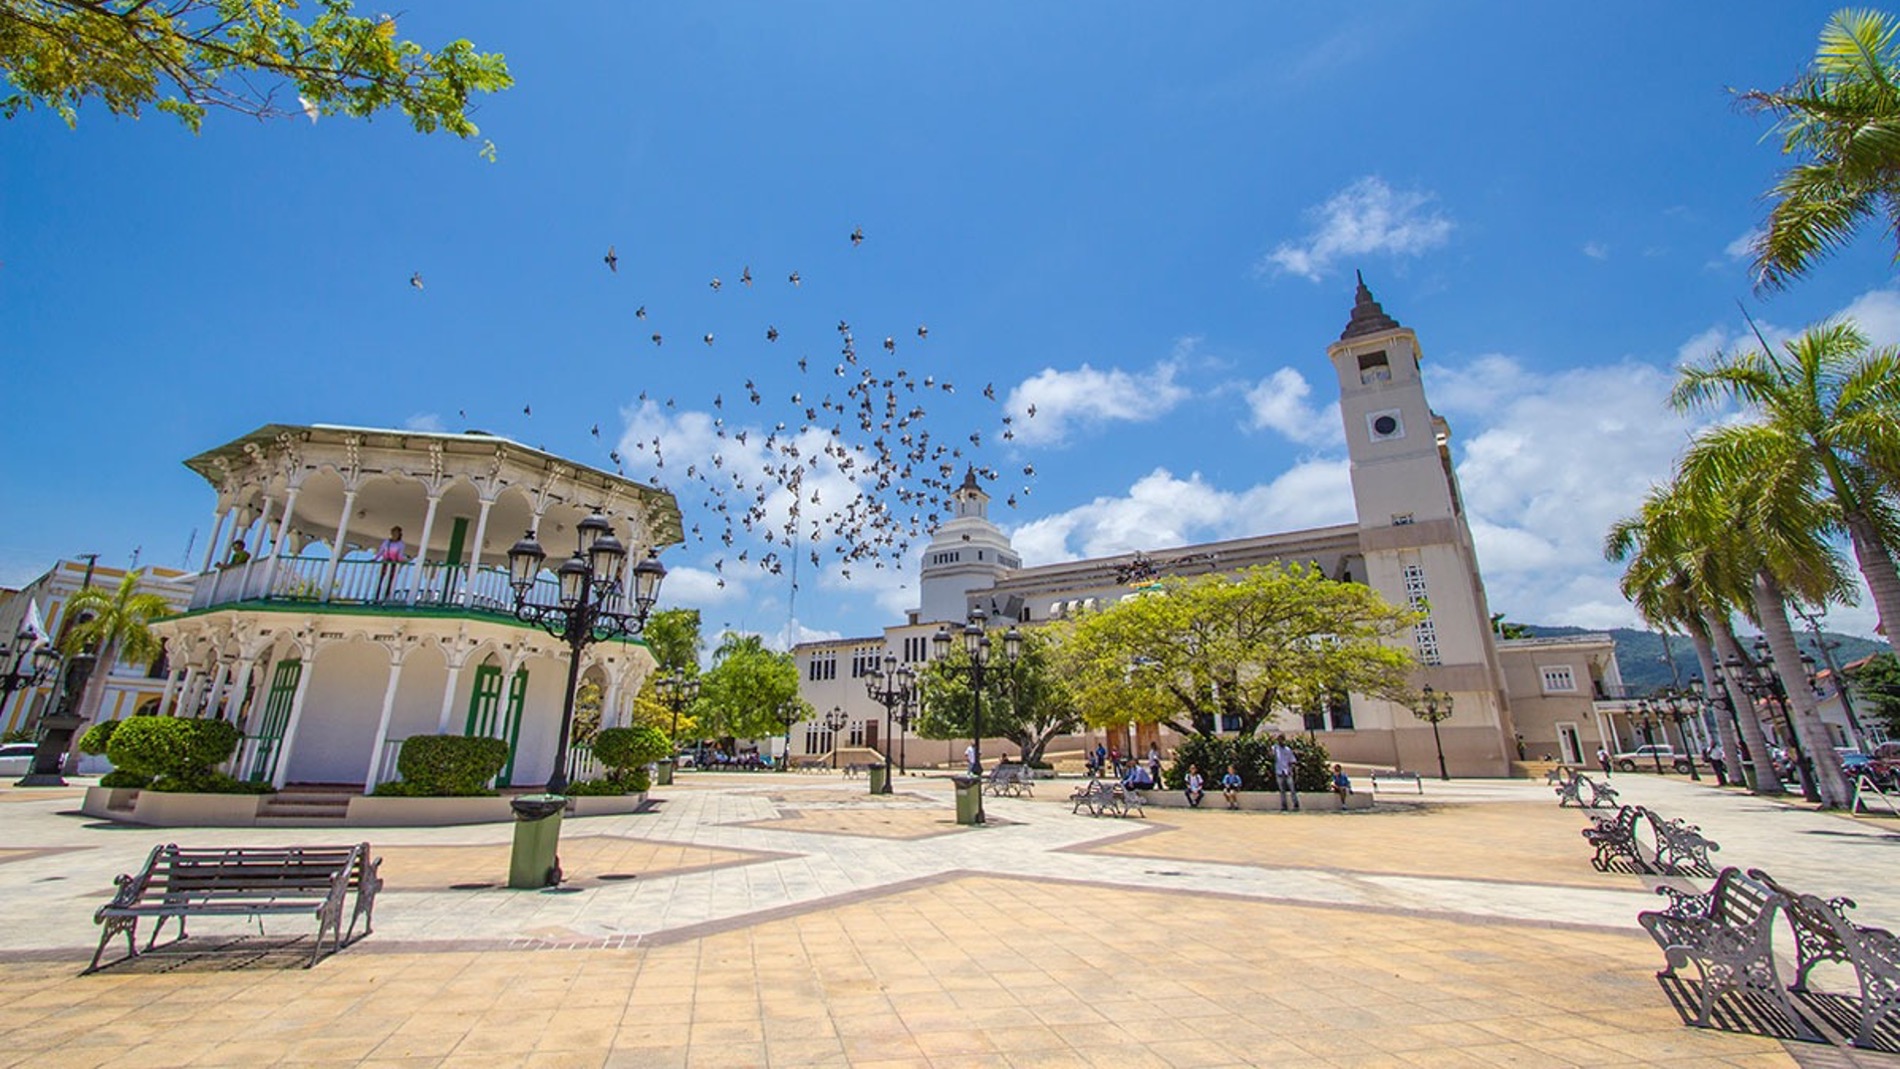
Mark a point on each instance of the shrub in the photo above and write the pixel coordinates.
(631, 784)
(209, 783)
(448, 765)
(119, 777)
(175, 753)
(624, 750)
(97, 737)
(1252, 757)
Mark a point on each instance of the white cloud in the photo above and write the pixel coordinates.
(430, 422)
(1596, 250)
(1367, 217)
(1066, 401)
(1743, 247)
(1877, 313)
(1280, 402)
(698, 587)
(1160, 511)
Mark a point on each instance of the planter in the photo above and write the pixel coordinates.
(372, 812)
(110, 803)
(602, 805)
(163, 809)
(1261, 801)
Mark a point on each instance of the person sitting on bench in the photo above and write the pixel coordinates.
(1342, 786)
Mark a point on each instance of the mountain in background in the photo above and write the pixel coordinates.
(1640, 657)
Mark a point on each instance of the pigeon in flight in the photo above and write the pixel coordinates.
(745, 275)
(596, 430)
(640, 312)
(416, 280)
(923, 331)
(612, 261)
(792, 278)
(656, 339)
(708, 339)
(857, 236)
(771, 333)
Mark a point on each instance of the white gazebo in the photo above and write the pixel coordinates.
(328, 657)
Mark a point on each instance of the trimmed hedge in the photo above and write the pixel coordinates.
(624, 750)
(639, 780)
(447, 766)
(176, 753)
(1252, 757)
(97, 738)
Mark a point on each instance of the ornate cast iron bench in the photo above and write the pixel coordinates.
(243, 882)
(1106, 798)
(1574, 789)
(1725, 934)
(1823, 932)
(1615, 836)
(1010, 779)
(1396, 775)
(1681, 847)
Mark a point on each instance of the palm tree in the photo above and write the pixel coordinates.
(1829, 417)
(115, 625)
(1676, 575)
(1843, 117)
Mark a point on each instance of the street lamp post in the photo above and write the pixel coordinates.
(33, 662)
(1648, 724)
(906, 713)
(678, 691)
(789, 713)
(1764, 682)
(589, 583)
(835, 720)
(57, 726)
(890, 688)
(977, 645)
(1435, 708)
(1679, 706)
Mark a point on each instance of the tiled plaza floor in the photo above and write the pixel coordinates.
(746, 923)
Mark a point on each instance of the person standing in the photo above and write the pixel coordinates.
(969, 758)
(1603, 761)
(389, 556)
(1154, 763)
(1285, 763)
(239, 555)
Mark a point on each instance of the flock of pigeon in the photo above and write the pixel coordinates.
(845, 467)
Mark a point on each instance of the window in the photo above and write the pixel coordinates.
(864, 661)
(1230, 722)
(817, 740)
(916, 648)
(1315, 721)
(856, 738)
(1401, 519)
(1558, 678)
(823, 666)
(1374, 368)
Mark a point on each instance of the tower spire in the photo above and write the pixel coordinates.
(1367, 316)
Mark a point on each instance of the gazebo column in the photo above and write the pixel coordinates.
(216, 691)
(422, 547)
(336, 547)
(234, 694)
(184, 690)
(296, 719)
(475, 550)
(217, 535)
(256, 545)
(172, 678)
(382, 723)
(448, 696)
(283, 523)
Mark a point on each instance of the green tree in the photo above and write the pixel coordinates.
(184, 57)
(587, 710)
(115, 625)
(1028, 702)
(1877, 692)
(672, 636)
(1841, 119)
(1828, 409)
(740, 695)
(1508, 628)
(1245, 645)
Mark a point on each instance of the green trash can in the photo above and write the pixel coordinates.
(969, 799)
(663, 773)
(535, 863)
(879, 775)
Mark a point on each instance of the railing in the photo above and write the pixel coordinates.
(582, 764)
(368, 582)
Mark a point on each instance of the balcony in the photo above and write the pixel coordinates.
(301, 581)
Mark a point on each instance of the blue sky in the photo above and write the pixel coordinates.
(1142, 218)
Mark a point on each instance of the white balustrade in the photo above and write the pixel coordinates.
(362, 582)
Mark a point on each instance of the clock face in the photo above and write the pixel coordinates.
(1385, 426)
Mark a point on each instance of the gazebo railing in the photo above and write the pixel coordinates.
(366, 582)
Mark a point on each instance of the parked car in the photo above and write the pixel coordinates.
(1647, 756)
(16, 758)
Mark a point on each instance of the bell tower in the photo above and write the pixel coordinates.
(1416, 540)
(967, 553)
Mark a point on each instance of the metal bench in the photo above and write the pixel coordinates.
(243, 882)
(1585, 792)
(1615, 837)
(1823, 932)
(1396, 775)
(1681, 847)
(855, 769)
(1012, 780)
(1725, 934)
(1107, 798)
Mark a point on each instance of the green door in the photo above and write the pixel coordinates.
(270, 727)
(489, 716)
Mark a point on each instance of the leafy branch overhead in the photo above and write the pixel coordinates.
(184, 57)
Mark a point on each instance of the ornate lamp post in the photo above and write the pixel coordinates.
(1762, 681)
(835, 720)
(906, 714)
(678, 691)
(977, 645)
(1435, 708)
(890, 688)
(1680, 706)
(33, 664)
(789, 713)
(589, 583)
(1646, 720)
(58, 725)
